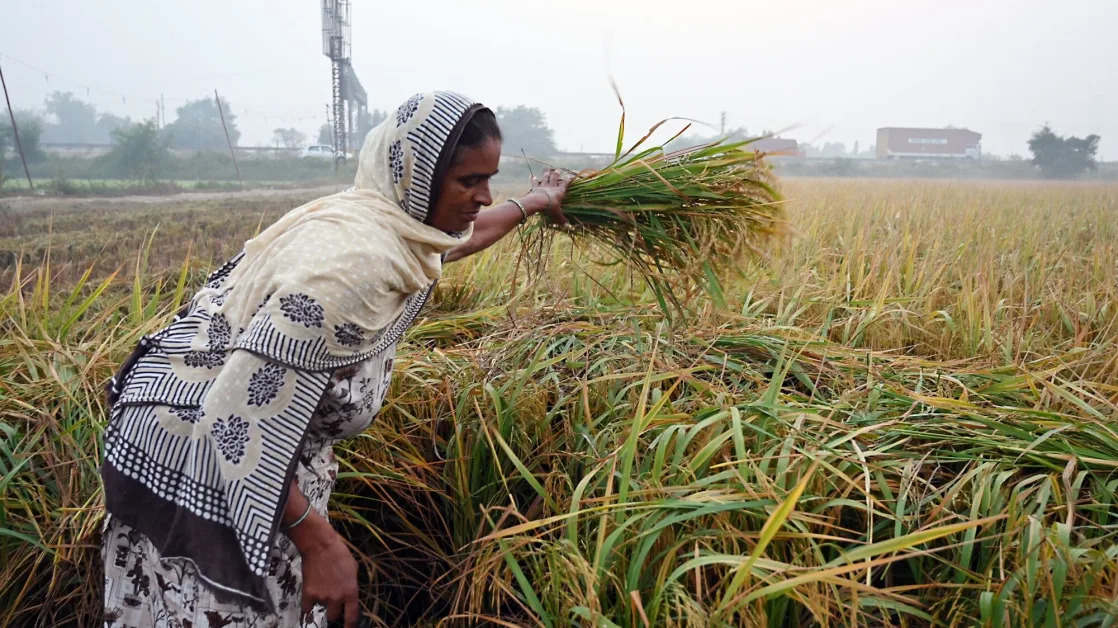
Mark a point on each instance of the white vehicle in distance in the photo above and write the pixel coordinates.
(320, 151)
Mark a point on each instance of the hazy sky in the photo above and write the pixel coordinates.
(834, 70)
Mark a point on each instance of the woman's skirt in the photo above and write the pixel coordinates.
(145, 589)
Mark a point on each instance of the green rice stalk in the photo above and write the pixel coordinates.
(679, 218)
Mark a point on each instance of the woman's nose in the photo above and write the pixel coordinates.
(484, 196)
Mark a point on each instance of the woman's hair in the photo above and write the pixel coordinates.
(481, 128)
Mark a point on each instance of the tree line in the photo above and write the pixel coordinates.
(66, 119)
(141, 149)
(522, 127)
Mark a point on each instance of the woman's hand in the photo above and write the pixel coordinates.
(329, 570)
(551, 188)
(546, 196)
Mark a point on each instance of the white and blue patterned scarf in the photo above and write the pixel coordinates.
(210, 412)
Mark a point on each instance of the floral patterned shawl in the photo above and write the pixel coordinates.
(229, 387)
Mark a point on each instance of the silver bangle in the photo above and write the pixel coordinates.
(301, 517)
(521, 206)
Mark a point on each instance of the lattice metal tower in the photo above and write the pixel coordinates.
(349, 100)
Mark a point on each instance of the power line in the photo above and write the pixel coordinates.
(87, 87)
(246, 109)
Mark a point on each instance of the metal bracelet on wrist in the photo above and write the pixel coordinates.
(516, 201)
(300, 519)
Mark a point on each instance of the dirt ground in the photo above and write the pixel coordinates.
(31, 201)
(113, 234)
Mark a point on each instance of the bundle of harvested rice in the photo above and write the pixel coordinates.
(680, 217)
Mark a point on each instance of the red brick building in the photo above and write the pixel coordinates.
(901, 143)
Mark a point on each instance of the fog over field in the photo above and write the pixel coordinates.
(834, 71)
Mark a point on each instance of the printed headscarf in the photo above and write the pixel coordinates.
(210, 412)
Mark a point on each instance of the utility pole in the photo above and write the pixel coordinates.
(15, 130)
(227, 140)
(722, 132)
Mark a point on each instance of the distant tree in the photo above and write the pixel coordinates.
(107, 123)
(5, 141)
(30, 135)
(139, 151)
(72, 120)
(830, 150)
(289, 138)
(366, 123)
(326, 134)
(198, 126)
(525, 128)
(841, 167)
(1063, 157)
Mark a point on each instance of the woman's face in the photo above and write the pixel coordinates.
(465, 189)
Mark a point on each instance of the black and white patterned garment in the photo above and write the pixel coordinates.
(286, 349)
(143, 590)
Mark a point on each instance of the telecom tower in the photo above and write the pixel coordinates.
(349, 100)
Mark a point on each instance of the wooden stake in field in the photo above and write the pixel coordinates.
(15, 129)
(221, 113)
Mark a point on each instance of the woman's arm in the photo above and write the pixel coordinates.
(496, 222)
(329, 569)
